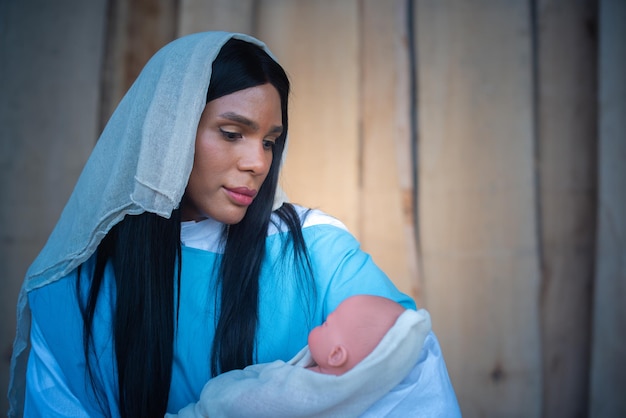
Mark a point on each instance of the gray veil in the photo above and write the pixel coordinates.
(141, 163)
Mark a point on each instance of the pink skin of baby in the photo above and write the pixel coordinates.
(351, 333)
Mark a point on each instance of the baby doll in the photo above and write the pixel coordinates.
(351, 332)
(362, 351)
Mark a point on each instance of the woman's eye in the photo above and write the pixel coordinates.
(230, 136)
(268, 144)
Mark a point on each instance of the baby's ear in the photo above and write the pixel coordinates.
(338, 356)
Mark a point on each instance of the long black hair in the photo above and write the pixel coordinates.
(241, 65)
(145, 254)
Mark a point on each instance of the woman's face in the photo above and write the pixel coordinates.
(234, 150)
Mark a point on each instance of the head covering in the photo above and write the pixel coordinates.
(141, 163)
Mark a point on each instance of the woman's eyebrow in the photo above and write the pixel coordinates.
(235, 117)
(276, 130)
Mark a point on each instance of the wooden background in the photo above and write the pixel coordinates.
(476, 148)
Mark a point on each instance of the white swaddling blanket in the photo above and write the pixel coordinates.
(289, 390)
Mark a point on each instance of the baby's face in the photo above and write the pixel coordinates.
(323, 338)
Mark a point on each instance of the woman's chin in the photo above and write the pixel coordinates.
(231, 216)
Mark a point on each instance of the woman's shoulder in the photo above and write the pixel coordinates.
(309, 218)
(62, 284)
(60, 294)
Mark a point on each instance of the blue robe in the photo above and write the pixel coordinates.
(56, 377)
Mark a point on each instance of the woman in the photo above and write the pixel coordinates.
(172, 262)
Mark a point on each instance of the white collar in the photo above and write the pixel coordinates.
(204, 235)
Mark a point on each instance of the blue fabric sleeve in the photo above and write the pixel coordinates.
(57, 379)
(47, 392)
(343, 269)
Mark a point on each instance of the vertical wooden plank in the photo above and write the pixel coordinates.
(477, 204)
(136, 29)
(209, 15)
(50, 58)
(386, 221)
(317, 43)
(567, 151)
(608, 373)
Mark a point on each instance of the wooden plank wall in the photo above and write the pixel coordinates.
(233, 16)
(477, 200)
(608, 367)
(386, 186)
(135, 31)
(50, 59)
(503, 246)
(566, 62)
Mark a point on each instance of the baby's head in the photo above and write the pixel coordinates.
(351, 332)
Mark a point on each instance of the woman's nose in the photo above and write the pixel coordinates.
(255, 157)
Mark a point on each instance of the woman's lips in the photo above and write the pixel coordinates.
(241, 195)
